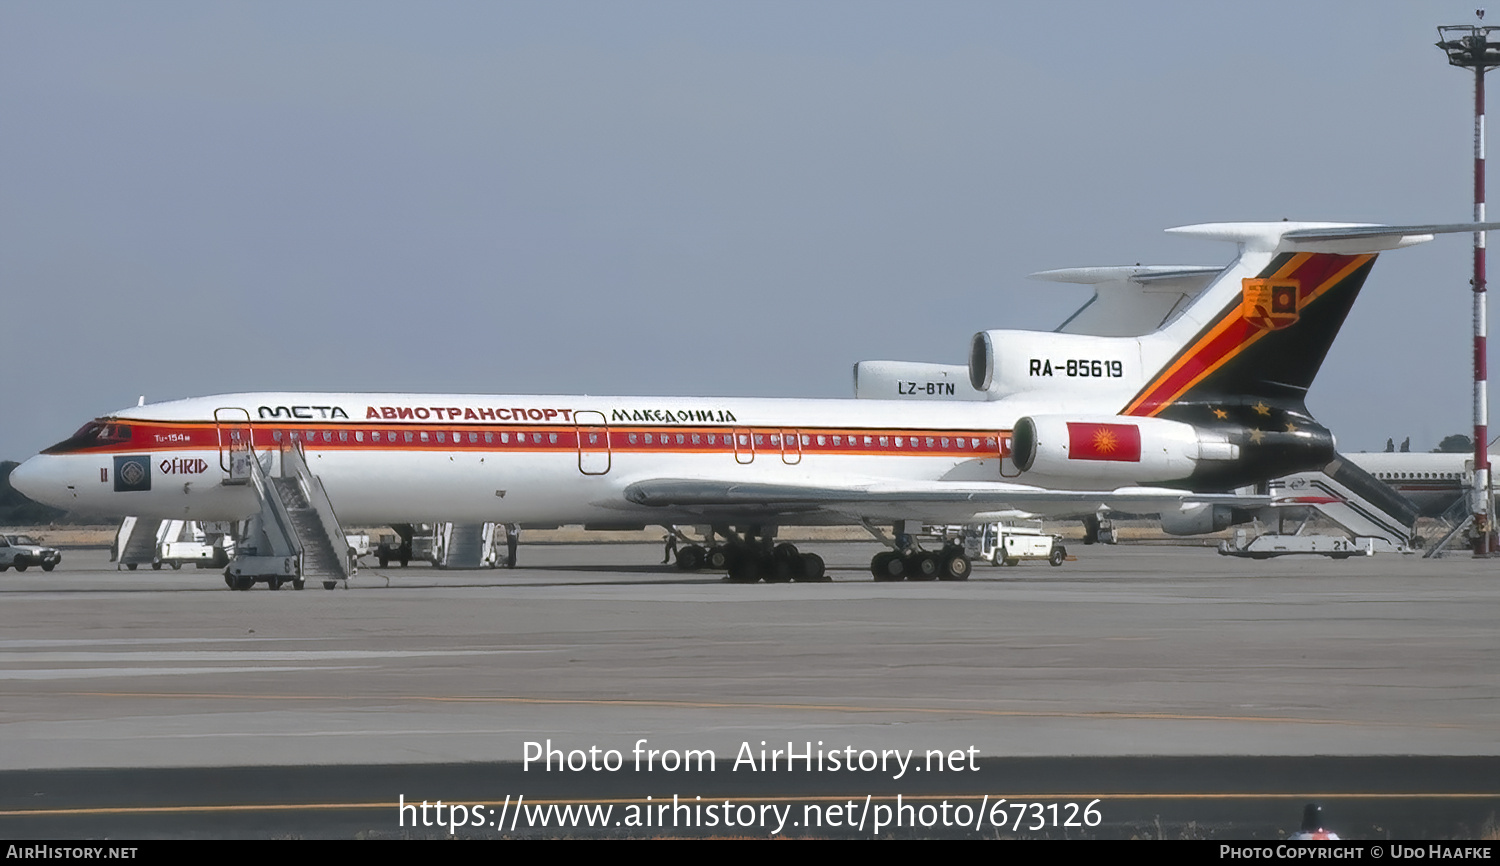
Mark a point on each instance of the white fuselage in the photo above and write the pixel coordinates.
(390, 458)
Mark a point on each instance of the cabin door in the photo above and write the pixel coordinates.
(593, 442)
(236, 443)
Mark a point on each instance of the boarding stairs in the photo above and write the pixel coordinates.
(1459, 518)
(296, 536)
(465, 545)
(135, 542)
(1372, 511)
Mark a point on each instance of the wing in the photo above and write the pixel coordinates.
(885, 501)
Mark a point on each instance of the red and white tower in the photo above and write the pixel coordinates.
(1469, 46)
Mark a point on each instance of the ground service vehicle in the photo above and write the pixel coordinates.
(1002, 544)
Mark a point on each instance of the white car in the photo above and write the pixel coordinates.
(23, 551)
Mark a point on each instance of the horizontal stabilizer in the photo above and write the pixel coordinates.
(1338, 238)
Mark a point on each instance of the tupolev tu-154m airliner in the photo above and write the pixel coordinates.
(1211, 401)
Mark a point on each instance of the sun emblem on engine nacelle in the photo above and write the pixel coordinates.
(1270, 304)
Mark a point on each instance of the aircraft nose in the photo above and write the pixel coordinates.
(30, 478)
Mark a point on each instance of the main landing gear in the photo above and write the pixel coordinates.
(906, 560)
(951, 563)
(752, 555)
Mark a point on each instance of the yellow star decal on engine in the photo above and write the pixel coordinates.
(1220, 414)
(1261, 409)
(1256, 436)
(1290, 427)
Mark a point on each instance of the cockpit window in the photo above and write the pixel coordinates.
(94, 434)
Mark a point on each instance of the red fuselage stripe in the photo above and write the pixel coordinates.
(187, 436)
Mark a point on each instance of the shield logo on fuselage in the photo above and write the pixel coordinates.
(132, 473)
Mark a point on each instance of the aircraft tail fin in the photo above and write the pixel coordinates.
(1260, 333)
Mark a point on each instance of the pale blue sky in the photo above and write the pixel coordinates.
(687, 198)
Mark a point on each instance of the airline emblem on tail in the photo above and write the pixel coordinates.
(1270, 304)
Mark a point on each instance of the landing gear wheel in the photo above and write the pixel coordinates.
(811, 569)
(691, 558)
(156, 565)
(955, 567)
(744, 568)
(718, 558)
(1059, 553)
(923, 565)
(176, 566)
(888, 566)
(779, 569)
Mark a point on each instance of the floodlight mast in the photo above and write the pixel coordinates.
(1469, 46)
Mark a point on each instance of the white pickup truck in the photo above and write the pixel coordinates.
(23, 552)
